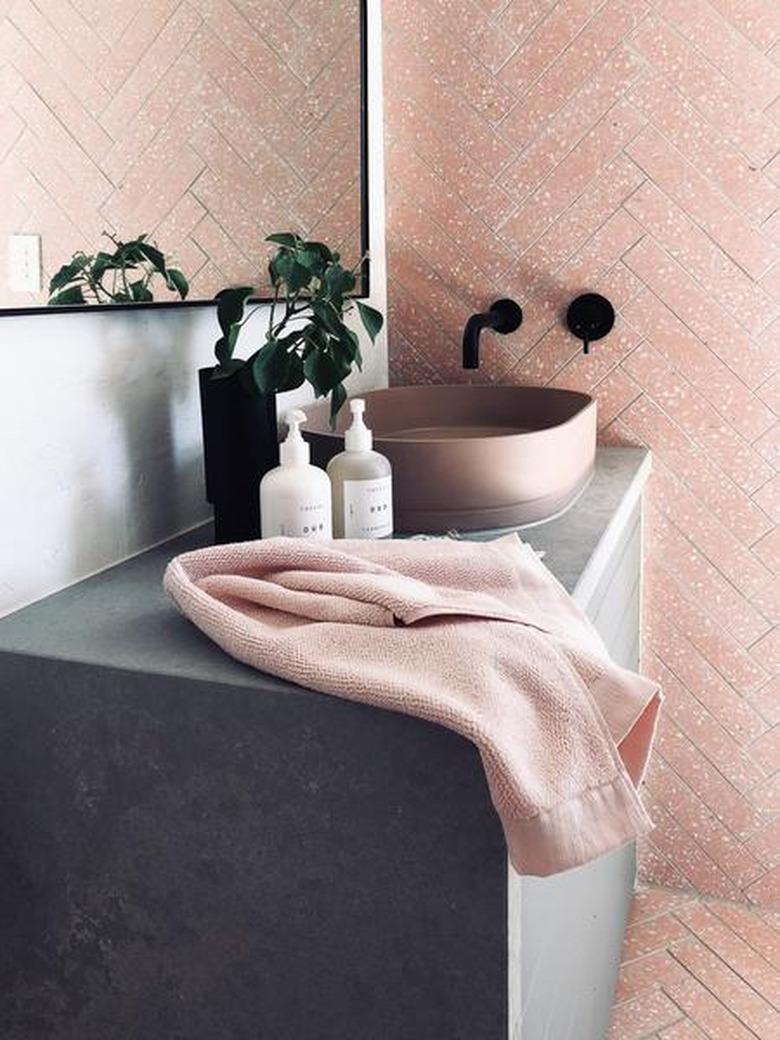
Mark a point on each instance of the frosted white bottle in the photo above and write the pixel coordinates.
(362, 484)
(295, 499)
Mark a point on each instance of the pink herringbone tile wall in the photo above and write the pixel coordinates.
(537, 149)
(207, 123)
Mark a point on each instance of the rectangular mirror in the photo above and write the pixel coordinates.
(204, 125)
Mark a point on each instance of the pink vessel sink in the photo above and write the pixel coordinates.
(474, 457)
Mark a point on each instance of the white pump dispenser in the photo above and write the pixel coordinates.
(294, 451)
(361, 480)
(358, 437)
(295, 497)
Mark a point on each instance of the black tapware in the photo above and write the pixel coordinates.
(504, 316)
(590, 317)
(240, 445)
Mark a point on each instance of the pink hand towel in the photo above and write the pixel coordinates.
(478, 637)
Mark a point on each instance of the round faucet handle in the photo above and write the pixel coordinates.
(507, 316)
(590, 317)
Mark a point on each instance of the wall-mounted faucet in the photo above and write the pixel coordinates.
(590, 317)
(504, 316)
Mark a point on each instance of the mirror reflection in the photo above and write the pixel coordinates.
(203, 125)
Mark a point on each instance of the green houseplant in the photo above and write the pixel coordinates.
(124, 275)
(307, 340)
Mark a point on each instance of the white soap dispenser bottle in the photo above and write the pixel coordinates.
(362, 483)
(295, 497)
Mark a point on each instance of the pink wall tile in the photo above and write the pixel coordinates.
(564, 78)
(765, 846)
(708, 90)
(752, 359)
(757, 20)
(707, 1012)
(643, 1016)
(718, 963)
(747, 68)
(766, 891)
(768, 549)
(635, 154)
(685, 242)
(550, 36)
(751, 1009)
(745, 411)
(649, 973)
(746, 186)
(694, 193)
(767, 651)
(732, 506)
(732, 949)
(754, 932)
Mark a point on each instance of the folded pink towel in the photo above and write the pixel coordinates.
(478, 637)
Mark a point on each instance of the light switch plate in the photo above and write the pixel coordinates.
(24, 263)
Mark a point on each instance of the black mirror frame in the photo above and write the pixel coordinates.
(364, 284)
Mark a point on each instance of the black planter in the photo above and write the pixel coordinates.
(240, 444)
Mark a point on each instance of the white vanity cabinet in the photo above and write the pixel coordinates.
(566, 932)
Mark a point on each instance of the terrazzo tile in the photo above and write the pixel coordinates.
(688, 153)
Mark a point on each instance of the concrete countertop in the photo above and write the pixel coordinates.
(121, 618)
(182, 857)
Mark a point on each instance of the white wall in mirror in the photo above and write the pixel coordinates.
(100, 421)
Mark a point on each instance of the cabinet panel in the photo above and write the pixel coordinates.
(572, 925)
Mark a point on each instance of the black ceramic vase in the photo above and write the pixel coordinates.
(240, 444)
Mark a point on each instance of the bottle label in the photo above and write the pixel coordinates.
(309, 520)
(368, 508)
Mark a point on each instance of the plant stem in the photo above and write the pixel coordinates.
(273, 307)
(97, 289)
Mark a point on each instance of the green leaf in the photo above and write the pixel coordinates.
(129, 253)
(67, 273)
(230, 306)
(338, 396)
(275, 368)
(294, 377)
(328, 316)
(339, 280)
(289, 270)
(177, 282)
(323, 372)
(315, 256)
(322, 249)
(225, 345)
(154, 256)
(68, 297)
(311, 259)
(349, 347)
(313, 338)
(139, 292)
(285, 239)
(371, 318)
(103, 262)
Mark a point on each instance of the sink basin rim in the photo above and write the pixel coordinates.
(319, 424)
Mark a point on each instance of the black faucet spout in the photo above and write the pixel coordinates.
(471, 334)
(504, 316)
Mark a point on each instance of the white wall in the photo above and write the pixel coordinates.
(100, 442)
